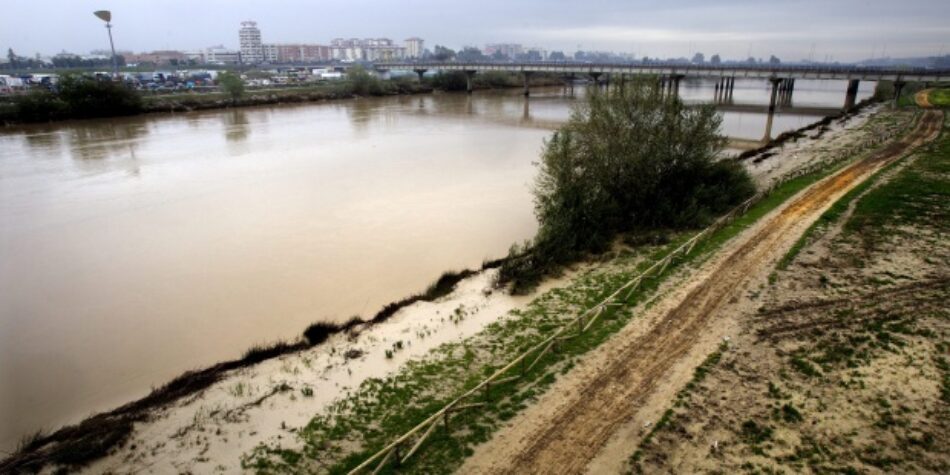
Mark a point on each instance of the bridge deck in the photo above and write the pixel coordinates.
(709, 71)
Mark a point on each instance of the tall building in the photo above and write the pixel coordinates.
(414, 47)
(252, 50)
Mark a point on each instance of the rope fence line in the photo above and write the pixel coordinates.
(427, 427)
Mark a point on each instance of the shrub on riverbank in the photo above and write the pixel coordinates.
(626, 160)
(78, 97)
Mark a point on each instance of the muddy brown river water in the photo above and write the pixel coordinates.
(134, 249)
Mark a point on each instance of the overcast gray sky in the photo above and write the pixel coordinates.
(842, 29)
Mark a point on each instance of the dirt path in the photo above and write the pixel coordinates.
(922, 98)
(565, 437)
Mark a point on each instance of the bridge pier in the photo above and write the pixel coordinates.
(596, 78)
(527, 77)
(730, 85)
(675, 86)
(420, 72)
(852, 94)
(776, 82)
(898, 88)
(716, 89)
(469, 81)
(786, 89)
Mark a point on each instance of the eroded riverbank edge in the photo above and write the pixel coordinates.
(97, 435)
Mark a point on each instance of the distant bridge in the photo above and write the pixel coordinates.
(782, 77)
(671, 70)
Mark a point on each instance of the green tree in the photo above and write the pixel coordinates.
(232, 85)
(715, 59)
(88, 97)
(625, 161)
(442, 53)
(363, 83)
(12, 58)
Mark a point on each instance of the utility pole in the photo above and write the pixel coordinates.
(106, 16)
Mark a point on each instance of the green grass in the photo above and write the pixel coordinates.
(940, 97)
(918, 196)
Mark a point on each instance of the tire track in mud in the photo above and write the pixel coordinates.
(570, 437)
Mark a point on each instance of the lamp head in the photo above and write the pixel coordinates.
(104, 15)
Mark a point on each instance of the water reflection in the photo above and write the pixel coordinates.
(98, 140)
(236, 125)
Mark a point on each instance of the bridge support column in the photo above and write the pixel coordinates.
(661, 85)
(420, 72)
(730, 85)
(527, 78)
(716, 90)
(898, 88)
(852, 94)
(469, 81)
(675, 90)
(607, 82)
(776, 82)
(596, 78)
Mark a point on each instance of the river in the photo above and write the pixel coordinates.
(137, 248)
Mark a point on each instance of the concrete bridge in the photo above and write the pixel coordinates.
(782, 77)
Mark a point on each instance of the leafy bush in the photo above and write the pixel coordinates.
(363, 83)
(87, 97)
(626, 160)
(39, 106)
(450, 81)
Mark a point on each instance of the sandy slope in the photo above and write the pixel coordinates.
(627, 380)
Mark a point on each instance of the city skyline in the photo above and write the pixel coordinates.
(846, 31)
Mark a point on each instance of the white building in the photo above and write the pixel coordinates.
(270, 53)
(220, 55)
(252, 50)
(414, 47)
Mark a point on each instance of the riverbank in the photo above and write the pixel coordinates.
(841, 364)
(327, 91)
(218, 401)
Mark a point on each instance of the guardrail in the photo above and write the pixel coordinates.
(582, 322)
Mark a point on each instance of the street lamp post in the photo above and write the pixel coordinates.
(106, 16)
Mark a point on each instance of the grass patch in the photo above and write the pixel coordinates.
(918, 196)
(940, 97)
